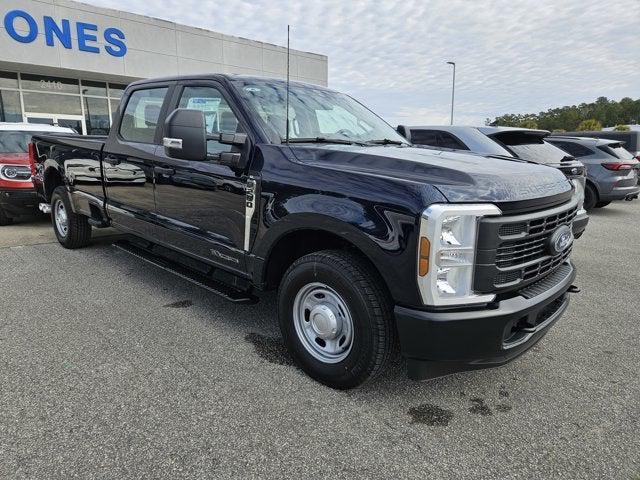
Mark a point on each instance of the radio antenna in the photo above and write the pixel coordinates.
(288, 62)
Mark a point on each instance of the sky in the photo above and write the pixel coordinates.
(512, 56)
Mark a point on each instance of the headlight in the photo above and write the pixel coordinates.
(447, 251)
(579, 192)
(15, 172)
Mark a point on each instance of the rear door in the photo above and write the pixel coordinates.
(201, 205)
(127, 165)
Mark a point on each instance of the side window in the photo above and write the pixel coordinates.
(574, 149)
(140, 118)
(446, 140)
(218, 115)
(424, 137)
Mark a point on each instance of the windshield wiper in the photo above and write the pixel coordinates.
(322, 140)
(387, 141)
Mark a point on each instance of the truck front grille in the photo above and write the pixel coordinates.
(513, 251)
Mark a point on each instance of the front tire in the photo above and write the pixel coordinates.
(72, 229)
(4, 220)
(336, 318)
(590, 198)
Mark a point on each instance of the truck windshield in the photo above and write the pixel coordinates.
(15, 142)
(315, 114)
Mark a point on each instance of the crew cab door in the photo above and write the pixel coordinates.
(201, 205)
(128, 159)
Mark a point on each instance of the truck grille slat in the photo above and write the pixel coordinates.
(519, 249)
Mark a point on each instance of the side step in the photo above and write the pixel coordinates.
(225, 291)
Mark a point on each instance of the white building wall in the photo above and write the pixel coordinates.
(154, 48)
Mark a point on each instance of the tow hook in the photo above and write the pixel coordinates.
(573, 289)
(44, 207)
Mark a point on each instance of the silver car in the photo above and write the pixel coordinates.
(505, 142)
(612, 171)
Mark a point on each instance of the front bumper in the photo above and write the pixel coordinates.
(580, 222)
(19, 201)
(441, 343)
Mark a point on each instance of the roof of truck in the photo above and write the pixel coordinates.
(224, 76)
(32, 127)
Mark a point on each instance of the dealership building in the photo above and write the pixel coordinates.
(67, 63)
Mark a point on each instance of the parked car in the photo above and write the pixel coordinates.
(506, 142)
(464, 259)
(630, 140)
(612, 171)
(17, 194)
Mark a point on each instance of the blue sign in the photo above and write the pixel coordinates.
(60, 32)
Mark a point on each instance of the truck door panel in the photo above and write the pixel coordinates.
(128, 162)
(200, 205)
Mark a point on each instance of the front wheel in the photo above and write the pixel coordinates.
(590, 198)
(4, 220)
(72, 229)
(336, 318)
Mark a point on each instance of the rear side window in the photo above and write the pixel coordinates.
(446, 140)
(424, 137)
(617, 150)
(15, 142)
(574, 149)
(140, 118)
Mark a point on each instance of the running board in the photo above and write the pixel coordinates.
(225, 291)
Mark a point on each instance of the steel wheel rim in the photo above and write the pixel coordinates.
(61, 219)
(323, 323)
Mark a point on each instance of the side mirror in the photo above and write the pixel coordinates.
(185, 135)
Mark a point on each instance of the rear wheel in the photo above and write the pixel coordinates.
(4, 220)
(71, 229)
(602, 204)
(336, 318)
(590, 197)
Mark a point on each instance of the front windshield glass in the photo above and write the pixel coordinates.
(314, 113)
(15, 142)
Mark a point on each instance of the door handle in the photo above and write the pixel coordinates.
(164, 171)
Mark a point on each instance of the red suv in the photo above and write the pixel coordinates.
(17, 194)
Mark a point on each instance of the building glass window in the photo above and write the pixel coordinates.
(96, 116)
(10, 110)
(49, 84)
(52, 103)
(8, 80)
(116, 90)
(114, 109)
(96, 89)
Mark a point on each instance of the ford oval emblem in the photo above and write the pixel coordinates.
(560, 240)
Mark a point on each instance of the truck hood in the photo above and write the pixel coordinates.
(460, 177)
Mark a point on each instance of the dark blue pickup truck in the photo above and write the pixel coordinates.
(242, 185)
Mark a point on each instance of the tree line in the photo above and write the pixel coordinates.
(586, 116)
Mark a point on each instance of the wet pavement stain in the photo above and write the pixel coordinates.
(503, 407)
(431, 415)
(479, 407)
(271, 349)
(180, 304)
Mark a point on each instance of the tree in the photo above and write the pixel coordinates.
(589, 125)
(528, 123)
(622, 128)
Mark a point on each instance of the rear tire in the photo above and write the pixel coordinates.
(336, 318)
(590, 197)
(4, 220)
(72, 229)
(602, 204)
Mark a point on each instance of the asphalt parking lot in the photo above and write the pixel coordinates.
(111, 368)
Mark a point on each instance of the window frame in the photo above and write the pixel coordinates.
(161, 117)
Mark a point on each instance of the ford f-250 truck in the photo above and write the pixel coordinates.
(460, 260)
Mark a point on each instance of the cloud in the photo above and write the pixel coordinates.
(512, 55)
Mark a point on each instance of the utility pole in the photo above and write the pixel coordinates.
(453, 88)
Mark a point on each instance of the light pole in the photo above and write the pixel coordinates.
(453, 88)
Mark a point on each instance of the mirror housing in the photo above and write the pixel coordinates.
(185, 135)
